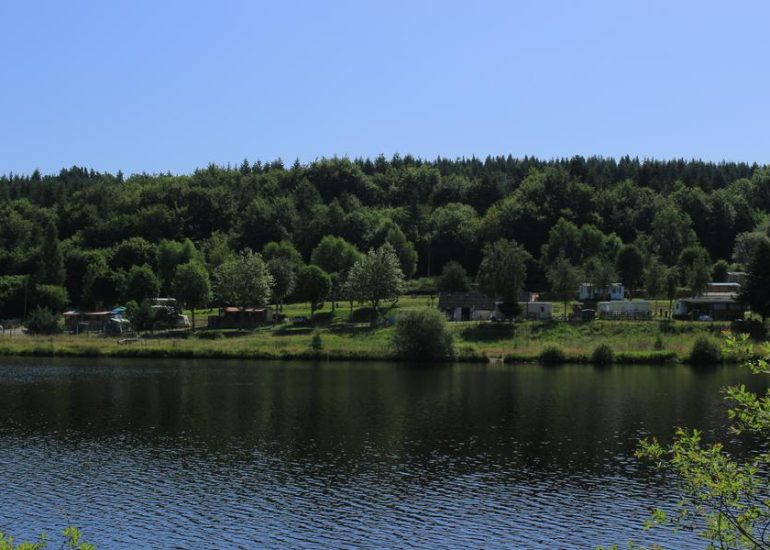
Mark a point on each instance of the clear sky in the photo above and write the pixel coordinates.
(156, 85)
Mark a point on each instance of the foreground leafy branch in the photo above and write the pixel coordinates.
(725, 498)
(72, 541)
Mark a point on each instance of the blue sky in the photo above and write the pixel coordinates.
(159, 86)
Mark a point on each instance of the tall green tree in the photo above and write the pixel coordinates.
(453, 278)
(600, 272)
(672, 285)
(671, 233)
(192, 286)
(336, 256)
(284, 279)
(698, 275)
(172, 254)
(630, 266)
(756, 292)
(243, 281)
(654, 277)
(407, 255)
(719, 271)
(502, 273)
(564, 279)
(134, 251)
(51, 265)
(141, 284)
(314, 285)
(283, 249)
(375, 278)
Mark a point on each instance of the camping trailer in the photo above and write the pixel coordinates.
(625, 309)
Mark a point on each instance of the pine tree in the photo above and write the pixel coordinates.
(756, 292)
(51, 264)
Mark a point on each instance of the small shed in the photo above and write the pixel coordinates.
(536, 311)
(466, 306)
(241, 317)
(80, 322)
(719, 306)
(625, 309)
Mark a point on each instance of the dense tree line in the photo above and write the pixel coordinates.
(86, 238)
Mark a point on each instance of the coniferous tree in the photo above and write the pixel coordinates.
(756, 291)
(51, 265)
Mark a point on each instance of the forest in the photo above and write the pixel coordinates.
(81, 238)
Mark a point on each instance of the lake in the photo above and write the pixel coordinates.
(190, 454)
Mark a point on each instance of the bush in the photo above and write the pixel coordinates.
(42, 321)
(603, 355)
(317, 343)
(422, 335)
(142, 316)
(705, 352)
(552, 355)
(209, 335)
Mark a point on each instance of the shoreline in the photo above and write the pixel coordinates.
(335, 336)
(50, 349)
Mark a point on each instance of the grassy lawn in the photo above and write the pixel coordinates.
(346, 334)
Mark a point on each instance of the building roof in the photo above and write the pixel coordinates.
(245, 309)
(475, 300)
(712, 298)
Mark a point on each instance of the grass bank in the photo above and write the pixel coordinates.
(344, 337)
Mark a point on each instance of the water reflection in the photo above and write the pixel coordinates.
(278, 454)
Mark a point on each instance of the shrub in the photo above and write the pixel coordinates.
(209, 335)
(42, 321)
(659, 344)
(705, 352)
(422, 335)
(142, 316)
(317, 343)
(552, 355)
(603, 355)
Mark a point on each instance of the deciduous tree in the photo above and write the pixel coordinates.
(243, 281)
(564, 279)
(314, 285)
(502, 273)
(192, 286)
(375, 278)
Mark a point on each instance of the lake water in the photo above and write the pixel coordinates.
(194, 454)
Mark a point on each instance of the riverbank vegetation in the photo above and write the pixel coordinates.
(348, 334)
